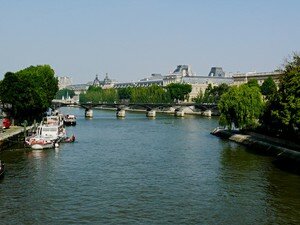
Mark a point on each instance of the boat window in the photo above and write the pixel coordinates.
(49, 129)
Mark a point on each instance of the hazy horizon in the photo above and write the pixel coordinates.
(132, 39)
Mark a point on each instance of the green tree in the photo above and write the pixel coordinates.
(110, 95)
(241, 107)
(152, 94)
(29, 92)
(99, 95)
(178, 91)
(157, 94)
(253, 83)
(212, 94)
(283, 111)
(268, 88)
(65, 93)
(93, 95)
(199, 98)
(124, 93)
(208, 94)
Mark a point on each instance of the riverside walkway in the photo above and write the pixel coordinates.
(12, 136)
(12, 131)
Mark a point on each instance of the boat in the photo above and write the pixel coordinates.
(69, 139)
(40, 142)
(2, 169)
(70, 120)
(48, 133)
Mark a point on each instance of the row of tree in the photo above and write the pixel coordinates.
(28, 93)
(153, 94)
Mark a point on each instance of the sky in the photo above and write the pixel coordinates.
(131, 39)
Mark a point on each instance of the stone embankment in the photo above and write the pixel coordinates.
(12, 136)
(286, 153)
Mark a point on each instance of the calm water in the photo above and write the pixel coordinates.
(143, 171)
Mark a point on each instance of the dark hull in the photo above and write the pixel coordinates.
(69, 123)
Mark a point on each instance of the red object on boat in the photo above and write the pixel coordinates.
(6, 123)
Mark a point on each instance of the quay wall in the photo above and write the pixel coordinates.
(12, 137)
(286, 155)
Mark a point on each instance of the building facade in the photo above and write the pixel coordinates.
(242, 78)
(183, 74)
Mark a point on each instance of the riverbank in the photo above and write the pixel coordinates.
(12, 136)
(286, 153)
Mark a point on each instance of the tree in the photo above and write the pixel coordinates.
(99, 95)
(212, 94)
(152, 94)
(268, 88)
(93, 94)
(199, 98)
(179, 91)
(110, 95)
(124, 93)
(65, 93)
(29, 92)
(253, 83)
(283, 111)
(241, 107)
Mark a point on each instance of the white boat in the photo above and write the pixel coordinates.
(49, 132)
(53, 127)
(39, 142)
(70, 120)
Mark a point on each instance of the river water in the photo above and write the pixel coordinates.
(145, 171)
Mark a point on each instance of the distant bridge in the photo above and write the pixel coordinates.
(149, 107)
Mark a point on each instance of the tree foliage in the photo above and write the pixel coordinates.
(99, 95)
(64, 93)
(29, 92)
(124, 93)
(253, 83)
(152, 94)
(241, 107)
(268, 88)
(211, 94)
(283, 111)
(179, 91)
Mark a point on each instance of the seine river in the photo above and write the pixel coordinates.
(145, 171)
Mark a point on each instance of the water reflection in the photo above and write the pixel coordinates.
(253, 184)
(37, 154)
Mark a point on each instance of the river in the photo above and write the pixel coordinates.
(145, 171)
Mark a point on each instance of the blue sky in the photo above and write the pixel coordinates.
(130, 39)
